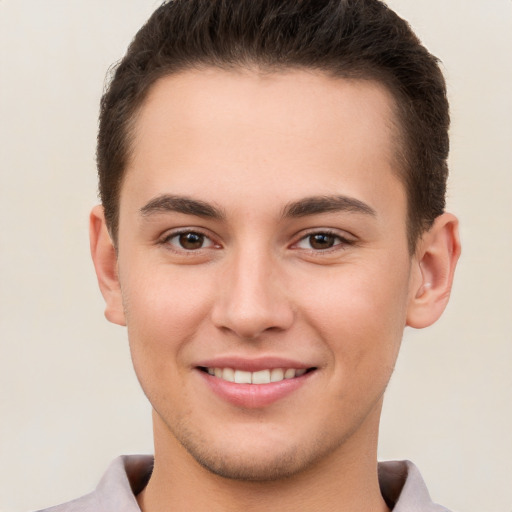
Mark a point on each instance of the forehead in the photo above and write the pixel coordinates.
(202, 128)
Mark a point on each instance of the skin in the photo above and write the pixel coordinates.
(254, 149)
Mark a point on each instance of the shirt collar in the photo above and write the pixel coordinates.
(401, 485)
(403, 488)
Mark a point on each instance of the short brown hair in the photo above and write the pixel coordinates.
(360, 39)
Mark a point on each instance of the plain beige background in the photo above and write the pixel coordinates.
(69, 401)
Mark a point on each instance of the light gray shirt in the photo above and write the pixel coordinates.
(400, 482)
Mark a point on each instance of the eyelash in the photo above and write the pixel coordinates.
(340, 242)
(166, 241)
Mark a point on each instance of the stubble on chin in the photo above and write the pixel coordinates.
(233, 462)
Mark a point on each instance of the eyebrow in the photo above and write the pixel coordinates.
(308, 206)
(181, 204)
(325, 204)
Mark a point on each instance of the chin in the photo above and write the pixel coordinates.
(251, 458)
(252, 467)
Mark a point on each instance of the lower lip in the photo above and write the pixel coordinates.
(253, 396)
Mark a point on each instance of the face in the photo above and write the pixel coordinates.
(263, 265)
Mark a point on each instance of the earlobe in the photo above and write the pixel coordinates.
(105, 263)
(432, 275)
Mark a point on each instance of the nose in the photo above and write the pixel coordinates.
(252, 298)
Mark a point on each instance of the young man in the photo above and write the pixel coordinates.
(272, 176)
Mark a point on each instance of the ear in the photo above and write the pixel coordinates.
(105, 263)
(432, 273)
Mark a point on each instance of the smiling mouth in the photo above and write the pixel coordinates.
(259, 377)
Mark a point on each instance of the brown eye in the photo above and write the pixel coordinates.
(188, 242)
(321, 241)
(191, 241)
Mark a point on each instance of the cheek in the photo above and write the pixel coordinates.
(164, 308)
(156, 295)
(360, 312)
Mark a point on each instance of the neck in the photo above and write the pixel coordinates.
(346, 480)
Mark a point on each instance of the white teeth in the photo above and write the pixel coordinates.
(228, 374)
(289, 373)
(276, 375)
(242, 377)
(259, 377)
(262, 377)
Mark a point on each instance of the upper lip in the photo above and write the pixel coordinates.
(254, 364)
